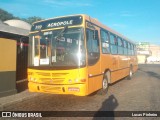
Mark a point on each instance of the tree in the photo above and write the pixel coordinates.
(4, 15)
(30, 20)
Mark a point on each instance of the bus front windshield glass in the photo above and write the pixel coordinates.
(63, 47)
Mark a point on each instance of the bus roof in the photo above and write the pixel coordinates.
(93, 20)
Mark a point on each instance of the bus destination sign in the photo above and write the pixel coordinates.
(57, 22)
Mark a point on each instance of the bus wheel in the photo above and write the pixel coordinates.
(129, 77)
(105, 85)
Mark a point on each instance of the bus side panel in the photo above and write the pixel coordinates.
(94, 78)
(135, 64)
(114, 67)
(105, 62)
(83, 76)
(94, 83)
(122, 69)
(135, 68)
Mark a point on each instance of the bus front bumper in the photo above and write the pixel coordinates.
(74, 89)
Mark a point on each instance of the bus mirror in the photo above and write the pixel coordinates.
(95, 35)
(39, 32)
(65, 29)
(60, 34)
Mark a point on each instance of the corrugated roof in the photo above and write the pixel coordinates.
(18, 24)
(13, 30)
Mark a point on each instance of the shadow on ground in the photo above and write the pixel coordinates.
(151, 73)
(107, 109)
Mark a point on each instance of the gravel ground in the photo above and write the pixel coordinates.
(139, 94)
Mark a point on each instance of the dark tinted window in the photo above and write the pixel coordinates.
(120, 46)
(105, 42)
(125, 44)
(113, 44)
(92, 46)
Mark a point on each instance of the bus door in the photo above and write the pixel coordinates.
(93, 51)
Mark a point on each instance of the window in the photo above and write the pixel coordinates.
(105, 42)
(132, 51)
(120, 46)
(49, 48)
(135, 50)
(113, 44)
(129, 48)
(125, 47)
(92, 46)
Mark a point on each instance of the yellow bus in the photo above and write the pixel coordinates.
(77, 55)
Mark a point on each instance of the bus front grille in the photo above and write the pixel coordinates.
(52, 80)
(51, 88)
(43, 74)
(59, 74)
(51, 77)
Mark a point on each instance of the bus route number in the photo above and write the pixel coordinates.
(38, 27)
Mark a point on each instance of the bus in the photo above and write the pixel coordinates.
(77, 55)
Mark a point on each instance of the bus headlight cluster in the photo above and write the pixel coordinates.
(70, 81)
(33, 79)
(75, 80)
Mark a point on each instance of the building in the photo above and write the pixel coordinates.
(13, 54)
(146, 50)
(155, 49)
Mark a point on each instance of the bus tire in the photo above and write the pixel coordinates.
(129, 77)
(105, 85)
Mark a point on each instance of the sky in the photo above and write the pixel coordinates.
(138, 20)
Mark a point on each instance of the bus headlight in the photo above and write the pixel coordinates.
(33, 79)
(76, 80)
(70, 81)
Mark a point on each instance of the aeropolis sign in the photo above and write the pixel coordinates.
(57, 22)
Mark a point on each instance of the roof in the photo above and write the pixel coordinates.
(91, 20)
(13, 30)
(18, 23)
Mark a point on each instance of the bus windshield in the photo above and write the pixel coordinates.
(57, 48)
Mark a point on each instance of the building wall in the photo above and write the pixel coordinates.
(7, 66)
(141, 58)
(13, 62)
(155, 49)
(146, 51)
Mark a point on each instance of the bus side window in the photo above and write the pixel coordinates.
(125, 47)
(105, 42)
(113, 44)
(129, 48)
(120, 46)
(132, 49)
(92, 46)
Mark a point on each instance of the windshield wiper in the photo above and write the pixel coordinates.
(65, 29)
(61, 32)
